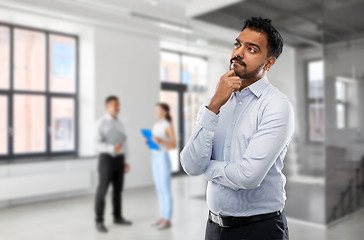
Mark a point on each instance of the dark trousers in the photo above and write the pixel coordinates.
(270, 229)
(111, 170)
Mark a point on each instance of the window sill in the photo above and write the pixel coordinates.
(42, 159)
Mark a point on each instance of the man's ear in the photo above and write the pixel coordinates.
(270, 62)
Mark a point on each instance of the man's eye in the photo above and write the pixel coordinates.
(252, 50)
(236, 45)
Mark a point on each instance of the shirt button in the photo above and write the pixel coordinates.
(233, 123)
(208, 144)
(240, 103)
(228, 145)
(214, 122)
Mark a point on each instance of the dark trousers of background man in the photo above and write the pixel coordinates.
(111, 170)
(270, 229)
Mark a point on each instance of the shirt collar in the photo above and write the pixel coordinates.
(108, 116)
(257, 87)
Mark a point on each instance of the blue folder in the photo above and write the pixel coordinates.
(147, 133)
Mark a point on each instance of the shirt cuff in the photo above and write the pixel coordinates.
(213, 170)
(209, 119)
(110, 148)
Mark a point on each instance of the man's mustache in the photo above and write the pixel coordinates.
(238, 60)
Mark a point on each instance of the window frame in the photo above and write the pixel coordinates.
(7, 95)
(10, 92)
(345, 104)
(180, 88)
(312, 100)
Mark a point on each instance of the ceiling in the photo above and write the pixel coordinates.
(301, 23)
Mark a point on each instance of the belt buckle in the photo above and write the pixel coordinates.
(219, 219)
(221, 222)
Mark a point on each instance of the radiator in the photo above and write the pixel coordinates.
(18, 187)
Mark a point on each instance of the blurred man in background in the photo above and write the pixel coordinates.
(112, 148)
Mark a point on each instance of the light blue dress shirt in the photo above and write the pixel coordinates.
(240, 151)
(110, 131)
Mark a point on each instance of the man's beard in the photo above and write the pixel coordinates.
(244, 74)
(251, 75)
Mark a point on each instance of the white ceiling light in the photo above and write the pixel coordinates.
(152, 2)
(175, 27)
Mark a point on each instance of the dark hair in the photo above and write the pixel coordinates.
(165, 107)
(275, 41)
(111, 98)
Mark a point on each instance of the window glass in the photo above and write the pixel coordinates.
(316, 121)
(62, 65)
(3, 125)
(62, 124)
(29, 60)
(316, 79)
(169, 67)
(194, 70)
(29, 123)
(4, 57)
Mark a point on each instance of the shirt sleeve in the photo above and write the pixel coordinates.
(125, 148)
(101, 145)
(196, 154)
(273, 135)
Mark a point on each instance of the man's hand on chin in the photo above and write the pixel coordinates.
(228, 84)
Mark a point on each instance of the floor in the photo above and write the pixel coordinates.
(310, 196)
(72, 218)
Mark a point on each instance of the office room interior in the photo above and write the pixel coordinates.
(60, 60)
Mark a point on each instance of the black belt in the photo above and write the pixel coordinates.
(231, 222)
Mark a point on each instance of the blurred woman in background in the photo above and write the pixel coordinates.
(164, 136)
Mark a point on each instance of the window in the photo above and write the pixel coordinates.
(62, 64)
(4, 57)
(3, 125)
(170, 67)
(341, 103)
(194, 71)
(38, 95)
(63, 124)
(179, 73)
(192, 104)
(28, 122)
(29, 60)
(315, 73)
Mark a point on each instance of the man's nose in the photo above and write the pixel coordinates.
(239, 53)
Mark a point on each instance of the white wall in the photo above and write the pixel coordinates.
(282, 73)
(127, 65)
(28, 182)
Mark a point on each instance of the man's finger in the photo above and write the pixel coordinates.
(234, 79)
(230, 73)
(236, 85)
